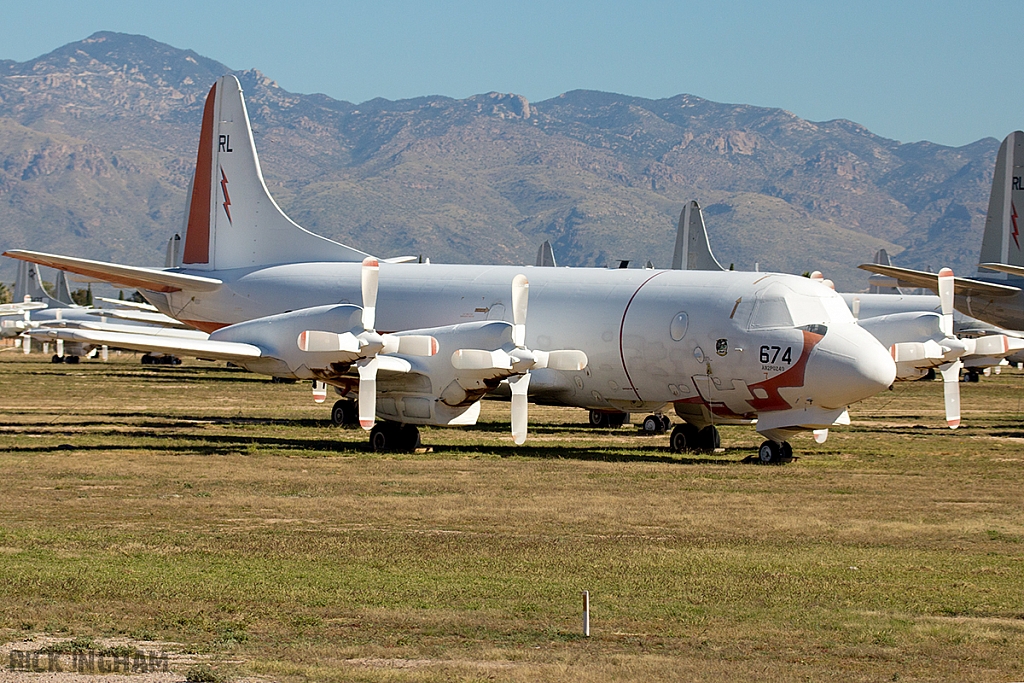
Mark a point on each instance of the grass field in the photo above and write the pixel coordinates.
(210, 509)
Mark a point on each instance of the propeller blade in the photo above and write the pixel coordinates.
(367, 393)
(319, 391)
(520, 299)
(951, 391)
(479, 359)
(568, 360)
(519, 386)
(368, 278)
(417, 345)
(992, 345)
(946, 289)
(318, 341)
(908, 352)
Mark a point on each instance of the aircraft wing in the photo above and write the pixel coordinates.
(19, 309)
(919, 278)
(147, 317)
(200, 348)
(153, 279)
(1004, 268)
(124, 303)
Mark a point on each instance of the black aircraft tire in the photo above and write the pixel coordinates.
(598, 419)
(653, 425)
(343, 413)
(768, 453)
(57, 359)
(708, 439)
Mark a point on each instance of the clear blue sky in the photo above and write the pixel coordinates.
(949, 72)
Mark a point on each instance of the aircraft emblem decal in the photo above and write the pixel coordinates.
(224, 189)
(722, 347)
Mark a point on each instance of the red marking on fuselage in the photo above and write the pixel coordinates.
(794, 377)
(224, 189)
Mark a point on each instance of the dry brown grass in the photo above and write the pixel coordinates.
(211, 508)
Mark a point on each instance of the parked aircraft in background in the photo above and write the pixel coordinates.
(50, 313)
(918, 330)
(422, 343)
(996, 298)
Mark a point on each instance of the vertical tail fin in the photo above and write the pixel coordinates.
(882, 259)
(233, 222)
(63, 293)
(546, 255)
(693, 252)
(1003, 240)
(30, 283)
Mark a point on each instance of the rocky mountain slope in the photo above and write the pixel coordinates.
(98, 138)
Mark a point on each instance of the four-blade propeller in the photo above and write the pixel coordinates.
(520, 360)
(363, 348)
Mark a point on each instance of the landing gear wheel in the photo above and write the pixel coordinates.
(972, 377)
(408, 438)
(599, 419)
(683, 438)
(344, 413)
(616, 420)
(383, 437)
(666, 422)
(653, 425)
(769, 453)
(71, 360)
(57, 359)
(785, 452)
(708, 439)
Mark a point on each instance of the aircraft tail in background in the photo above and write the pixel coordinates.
(232, 221)
(29, 283)
(1003, 240)
(693, 252)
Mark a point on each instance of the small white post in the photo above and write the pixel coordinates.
(60, 347)
(46, 348)
(586, 614)
(26, 344)
(104, 353)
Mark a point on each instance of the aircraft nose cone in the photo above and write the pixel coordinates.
(849, 365)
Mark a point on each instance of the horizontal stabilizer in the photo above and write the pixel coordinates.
(153, 279)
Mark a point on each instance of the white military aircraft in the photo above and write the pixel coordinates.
(917, 329)
(422, 343)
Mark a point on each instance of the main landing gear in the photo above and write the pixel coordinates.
(656, 424)
(774, 453)
(686, 437)
(345, 413)
(392, 436)
(70, 360)
(602, 419)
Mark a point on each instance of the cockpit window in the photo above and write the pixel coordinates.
(780, 306)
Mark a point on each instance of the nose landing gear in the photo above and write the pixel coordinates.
(774, 452)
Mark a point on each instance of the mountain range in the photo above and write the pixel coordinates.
(98, 141)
